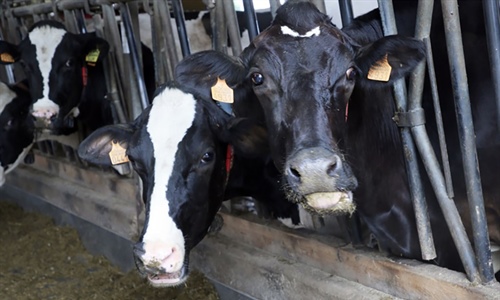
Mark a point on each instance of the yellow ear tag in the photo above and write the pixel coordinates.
(118, 154)
(380, 71)
(6, 58)
(222, 92)
(92, 57)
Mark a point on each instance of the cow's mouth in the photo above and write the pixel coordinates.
(167, 279)
(324, 203)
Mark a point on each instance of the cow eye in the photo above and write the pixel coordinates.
(207, 157)
(8, 125)
(257, 78)
(69, 63)
(350, 74)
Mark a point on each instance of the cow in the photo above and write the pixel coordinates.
(325, 96)
(65, 76)
(16, 127)
(179, 148)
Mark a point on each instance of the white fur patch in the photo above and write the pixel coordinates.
(6, 96)
(171, 115)
(313, 32)
(46, 39)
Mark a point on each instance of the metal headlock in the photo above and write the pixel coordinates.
(480, 270)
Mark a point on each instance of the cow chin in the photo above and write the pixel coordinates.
(325, 203)
(169, 279)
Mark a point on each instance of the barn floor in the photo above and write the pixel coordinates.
(40, 260)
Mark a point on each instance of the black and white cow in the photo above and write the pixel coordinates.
(17, 130)
(179, 148)
(65, 76)
(325, 95)
(16, 127)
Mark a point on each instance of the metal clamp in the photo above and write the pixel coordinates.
(410, 118)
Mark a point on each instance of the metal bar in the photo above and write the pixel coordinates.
(416, 87)
(439, 119)
(251, 18)
(181, 26)
(274, 5)
(128, 78)
(135, 57)
(159, 52)
(232, 27)
(456, 58)
(346, 13)
(168, 34)
(320, 4)
(492, 16)
(80, 21)
(70, 22)
(220, 32)
(417, 192)
(109, 74)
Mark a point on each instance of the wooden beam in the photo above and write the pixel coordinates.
(404, 278)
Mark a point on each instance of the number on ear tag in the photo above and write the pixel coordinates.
(222, 92)
(118, 154)
(380, 71)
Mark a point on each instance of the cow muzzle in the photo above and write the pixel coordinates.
(169, 268)
(321, 181)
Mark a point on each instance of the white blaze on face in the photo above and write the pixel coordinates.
(45, 39)
(171, 115)
(313, 32)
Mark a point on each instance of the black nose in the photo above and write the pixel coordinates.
(317, 169)
(313, 162)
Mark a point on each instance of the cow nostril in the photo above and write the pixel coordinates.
(334, 166)
(294, 173)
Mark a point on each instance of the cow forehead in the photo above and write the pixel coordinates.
(46, 39)
(6, 96)
(171, 115)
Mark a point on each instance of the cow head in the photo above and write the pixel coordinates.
(178, 146)
(16, 128)
(56, 64)
(302, 71)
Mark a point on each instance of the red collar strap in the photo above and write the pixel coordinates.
(346, 110)
(229, 160)
(84, 76)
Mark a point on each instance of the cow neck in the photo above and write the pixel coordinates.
(227, 108)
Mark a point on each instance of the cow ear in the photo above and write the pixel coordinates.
(389, 58)
(197, 73)
(9, 53)
(97, 146)
(248, 137)
(95, 49)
